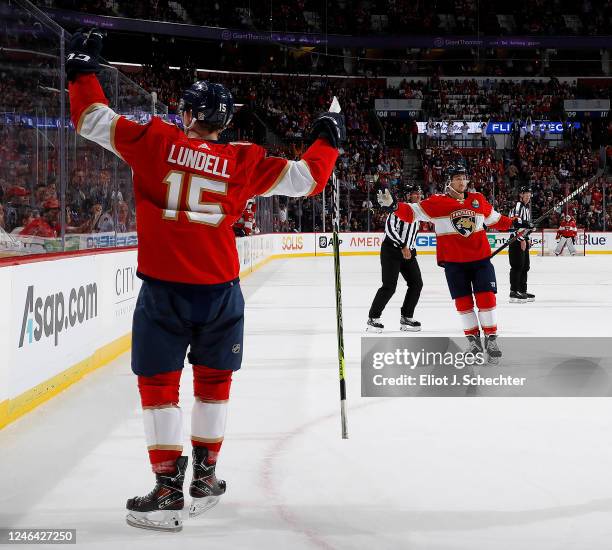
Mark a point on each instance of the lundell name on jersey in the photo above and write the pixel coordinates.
(198, 160)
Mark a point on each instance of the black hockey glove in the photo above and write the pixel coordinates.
(330, 126)
(83, 53)
(386, 200)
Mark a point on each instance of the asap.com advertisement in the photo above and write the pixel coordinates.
(55, 311)
(62, 313)
(48, 316)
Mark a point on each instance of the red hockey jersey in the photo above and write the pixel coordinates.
(248, 219)
(246, 222)
(567, 229)
(189, 192)
(459, 224)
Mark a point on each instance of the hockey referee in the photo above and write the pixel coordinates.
(519, 251)
(398, 255)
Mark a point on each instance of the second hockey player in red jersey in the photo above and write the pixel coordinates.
(460, 220)
(189, 190)
(245, 225)
(566, 235)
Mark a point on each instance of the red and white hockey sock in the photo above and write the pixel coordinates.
(465, 307)
(163, 421)
(487, 314)
(211, 388)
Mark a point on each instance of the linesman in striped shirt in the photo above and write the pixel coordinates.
(518, 251)
(398, 255)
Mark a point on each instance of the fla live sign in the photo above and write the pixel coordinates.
(550, 127)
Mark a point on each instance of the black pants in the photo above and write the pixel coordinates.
(393, 263)
(519, 266)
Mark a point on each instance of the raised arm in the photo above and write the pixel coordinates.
(405, 211)
(413, 211)
(307, 176)
(301, 178)
(93, 119)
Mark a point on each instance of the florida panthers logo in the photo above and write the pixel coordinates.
(464, 222)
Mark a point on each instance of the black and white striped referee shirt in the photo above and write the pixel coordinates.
(401, 233)
(523, 212)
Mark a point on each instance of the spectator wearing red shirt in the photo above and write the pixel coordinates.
(596, 196)
(48, 224)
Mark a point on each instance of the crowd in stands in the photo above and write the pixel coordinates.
(98, 192)
(287, 103)
(553, 172)
(356, 17)
(439, 17)
(473, 100)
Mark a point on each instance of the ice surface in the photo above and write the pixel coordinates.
(417, 473)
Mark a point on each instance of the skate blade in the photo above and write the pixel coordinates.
(530, 300)
(374, 330)
(517, 301)
(408, 328)
(201, 505)
(162, 520)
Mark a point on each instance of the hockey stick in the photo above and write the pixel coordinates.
(563, 201)
(335, 108)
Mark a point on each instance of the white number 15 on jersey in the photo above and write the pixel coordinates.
(209, 213)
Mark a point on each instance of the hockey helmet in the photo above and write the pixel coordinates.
(208, 102)
(525, 189)
(456, 170)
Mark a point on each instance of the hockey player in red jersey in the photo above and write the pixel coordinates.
(245, 225)
(189, 190)
(463, 250)
(566, 235)
(248, 217)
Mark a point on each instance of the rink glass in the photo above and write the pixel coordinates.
(43, 158)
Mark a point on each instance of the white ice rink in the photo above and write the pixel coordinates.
(416, 473)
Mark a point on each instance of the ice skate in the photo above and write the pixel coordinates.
(492, 349)
(474, 344)
(517, 298)
(205, 488)
(408, 324)
(161, 509)
(530, 297)
(374, 325)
